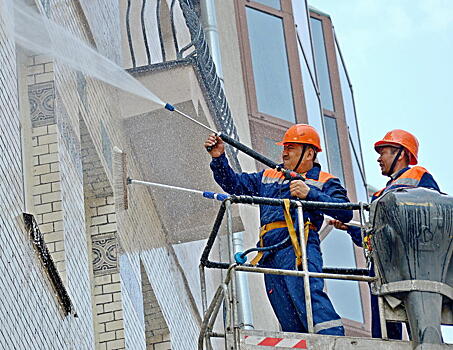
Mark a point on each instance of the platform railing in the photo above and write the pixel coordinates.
(227, 290)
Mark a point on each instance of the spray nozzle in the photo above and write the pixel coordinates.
(170, 107)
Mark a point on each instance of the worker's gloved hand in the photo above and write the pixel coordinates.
(338, 224)
(215, 144)
(299, 189)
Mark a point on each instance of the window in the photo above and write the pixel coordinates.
(306, 61)
(322, 65)
(273, 151)
(337, 115)
(337, 249)
(270, 65)
(353, 131)
(271, 3)
(272, 75)
(265, 139)
(333, 148)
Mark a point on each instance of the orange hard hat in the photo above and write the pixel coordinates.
(397, 138)
(302, 133)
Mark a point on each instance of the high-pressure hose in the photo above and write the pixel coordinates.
(289, 174)
(241, 257)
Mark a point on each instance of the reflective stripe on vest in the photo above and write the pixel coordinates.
(410, 178)
(273, 176)
(323, 178)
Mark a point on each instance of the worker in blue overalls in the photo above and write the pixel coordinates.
(397, 150)
(301, 144)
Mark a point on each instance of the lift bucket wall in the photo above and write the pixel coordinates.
(412, 249)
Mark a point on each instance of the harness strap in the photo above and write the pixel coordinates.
(292, 232)
(263, 230)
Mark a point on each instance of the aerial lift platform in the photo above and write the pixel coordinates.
(411, 233)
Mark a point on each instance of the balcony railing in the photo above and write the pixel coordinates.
(171, 34)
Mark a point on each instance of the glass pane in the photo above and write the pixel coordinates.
(270, 65)
(314, 113)
(322, 68)
(337, 251)
(271, 3)
(348, 101)
(360, 186)
(333, 148)
(447, 334)
(302, 26)
(272, 151)
(354, 141)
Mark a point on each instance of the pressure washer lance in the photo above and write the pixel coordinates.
(352, 223)
(206, 194)
(289, 174)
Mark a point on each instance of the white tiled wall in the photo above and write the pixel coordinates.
(110, 312)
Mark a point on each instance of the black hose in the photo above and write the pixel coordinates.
(289, 175)
(247, 150)
(265, 249)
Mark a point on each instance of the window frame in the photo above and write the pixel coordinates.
(325, 30)
(262, 124)
(338, 113)
(295, 74)
(343, 136)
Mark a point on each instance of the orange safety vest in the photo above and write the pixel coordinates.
(271, 176)
(410, 178)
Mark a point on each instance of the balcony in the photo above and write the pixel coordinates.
(165, 49)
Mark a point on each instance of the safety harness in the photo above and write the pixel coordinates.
(291, 230)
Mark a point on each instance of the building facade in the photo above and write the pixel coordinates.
(78, 270)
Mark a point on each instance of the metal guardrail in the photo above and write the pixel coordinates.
(227, 290)
(277, 202)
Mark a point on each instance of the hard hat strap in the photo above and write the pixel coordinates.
(301, 157)
(392, 167)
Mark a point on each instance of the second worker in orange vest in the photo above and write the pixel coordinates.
(397, 150)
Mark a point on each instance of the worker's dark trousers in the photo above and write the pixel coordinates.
(286, 294)
(394, 329)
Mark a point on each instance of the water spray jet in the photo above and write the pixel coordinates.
(35, 32)
(289, 174)
(32, 31)
(121, 182)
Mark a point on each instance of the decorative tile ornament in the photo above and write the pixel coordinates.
(42, 103)
(105, 254)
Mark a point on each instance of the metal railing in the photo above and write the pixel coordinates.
(196, 52)
(227, 289)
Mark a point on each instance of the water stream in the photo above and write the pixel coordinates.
(36, 33)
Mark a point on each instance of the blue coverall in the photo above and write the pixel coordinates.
(286, 293)
(419, 178)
